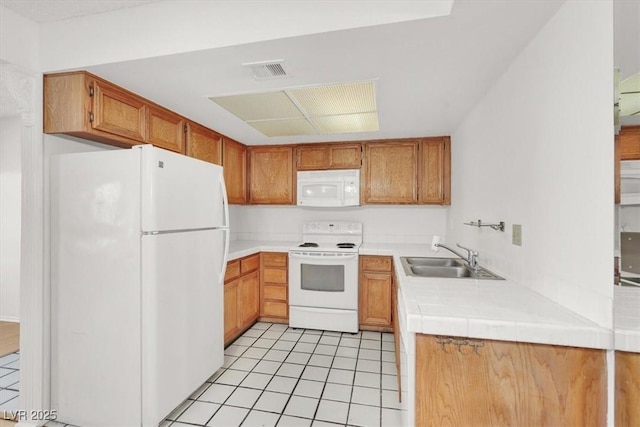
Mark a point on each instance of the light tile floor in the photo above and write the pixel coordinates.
(274, 375)
(9, 382)
(278, 376)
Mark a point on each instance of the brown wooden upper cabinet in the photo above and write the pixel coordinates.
(391, 172)
(328, 156)
(165, 129)
(83, 105)
(629, 143)
(271, 175)
(434, 171)
(234, 158)
(203, 143)
(409, 171)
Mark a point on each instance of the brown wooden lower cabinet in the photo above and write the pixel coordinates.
(274, 302)
(508, 384)
(241, 296)
(627, 395)
(375, 293)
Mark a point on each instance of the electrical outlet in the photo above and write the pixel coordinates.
(516, 235)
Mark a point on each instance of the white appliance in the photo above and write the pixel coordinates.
(331, 188)
(323, 277)
(138, 251)
(630, 182)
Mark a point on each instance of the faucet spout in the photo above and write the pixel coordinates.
(471, 258)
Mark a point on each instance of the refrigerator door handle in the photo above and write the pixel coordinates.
(225, 203)
(225, 223)
(225, 256)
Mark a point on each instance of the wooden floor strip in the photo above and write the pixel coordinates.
(9, 337)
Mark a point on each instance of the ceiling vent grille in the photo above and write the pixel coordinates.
(267, 69)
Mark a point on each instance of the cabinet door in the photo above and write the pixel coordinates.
(204, 144)
(272, 175)
(630, 143)
(274, 298)
(508, 384)
(231, 314)
(391, 172)
(314, 157)
(375, 299)
(627, 386)
(328, 156)
(234, 160)
(249, 298)
(345, 156)
(435, 171)
(166, 129)
(118, 112)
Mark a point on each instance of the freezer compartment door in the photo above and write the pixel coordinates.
(182, 317)
(179, 192)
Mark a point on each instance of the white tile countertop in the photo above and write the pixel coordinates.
(242, 248)
(485, 309)
(627, 318)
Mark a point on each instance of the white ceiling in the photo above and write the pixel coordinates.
(429, 72)
(58, 10)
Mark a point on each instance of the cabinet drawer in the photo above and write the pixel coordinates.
(275, 292)
(274, 259)
(275, 309)
(273, 275)
(249, 264)
(377, 263)
(232, 271)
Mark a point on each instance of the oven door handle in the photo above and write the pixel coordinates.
(322, 256)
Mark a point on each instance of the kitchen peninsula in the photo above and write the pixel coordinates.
(537, 343)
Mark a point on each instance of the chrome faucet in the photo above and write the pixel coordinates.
(471, 258)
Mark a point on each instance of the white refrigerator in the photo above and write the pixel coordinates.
(139, 243)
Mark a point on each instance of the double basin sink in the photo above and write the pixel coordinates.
(445, 268)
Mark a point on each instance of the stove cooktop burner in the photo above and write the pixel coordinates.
(308, 245)
(346, 245)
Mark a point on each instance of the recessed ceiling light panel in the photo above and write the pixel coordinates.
(328, 109)
(259, 106)
(344, 123)
(288, 127)
(336, 99)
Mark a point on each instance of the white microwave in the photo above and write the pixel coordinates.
(331, 188)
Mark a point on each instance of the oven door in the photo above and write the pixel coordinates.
(323, 279)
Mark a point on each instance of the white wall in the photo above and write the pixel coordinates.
(538, 151)
(384, 224)
(10, 211)
(19, 40)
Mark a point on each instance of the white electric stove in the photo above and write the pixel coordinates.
(323, 277)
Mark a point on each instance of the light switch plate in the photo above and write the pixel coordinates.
(516, 235)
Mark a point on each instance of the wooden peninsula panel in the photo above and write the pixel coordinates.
(508, 384)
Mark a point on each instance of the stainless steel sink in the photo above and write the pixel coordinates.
(444, 267)
(425, 271)
(434, 262)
